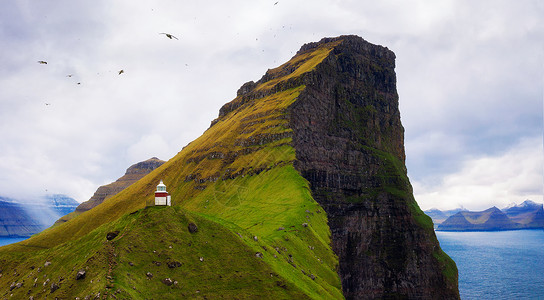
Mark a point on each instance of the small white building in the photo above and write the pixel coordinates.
(162, 198)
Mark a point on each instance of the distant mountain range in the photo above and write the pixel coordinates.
(527, 215)
(20, 218)
(440, 216)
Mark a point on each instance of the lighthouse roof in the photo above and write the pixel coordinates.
(161, 187)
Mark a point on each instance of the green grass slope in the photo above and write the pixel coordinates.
(212, 263)
(263, 235)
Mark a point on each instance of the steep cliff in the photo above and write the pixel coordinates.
(350, 147)
(349, 144)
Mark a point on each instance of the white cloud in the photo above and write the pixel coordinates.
(149, 146)
(487, 181)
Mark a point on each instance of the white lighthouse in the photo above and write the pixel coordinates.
(162, 198)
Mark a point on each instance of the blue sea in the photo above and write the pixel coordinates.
(7, 241)
(497, 265)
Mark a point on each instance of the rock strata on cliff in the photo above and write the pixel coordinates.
(349, 143)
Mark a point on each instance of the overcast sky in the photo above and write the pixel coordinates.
(469, 76)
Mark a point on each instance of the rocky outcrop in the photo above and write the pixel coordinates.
(133, 174)
(349, 145)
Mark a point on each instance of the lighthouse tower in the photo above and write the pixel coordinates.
(162, 198)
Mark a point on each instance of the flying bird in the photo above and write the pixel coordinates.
(168, 35)
(42, 62)
(69, 75)
(276, 2)
(47, 104)
(121, 72)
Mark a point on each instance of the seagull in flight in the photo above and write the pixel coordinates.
(42, 62)
(276, 2)
(168, 35)
(121, 72)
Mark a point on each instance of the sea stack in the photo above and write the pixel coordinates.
(349, 144)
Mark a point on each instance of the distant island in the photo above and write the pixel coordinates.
(23, 218)
(527, 215)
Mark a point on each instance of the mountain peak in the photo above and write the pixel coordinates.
(145, 166)
(529, 203)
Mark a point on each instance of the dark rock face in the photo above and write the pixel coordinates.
(349, 145)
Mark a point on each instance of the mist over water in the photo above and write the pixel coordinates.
(497, 265)
(11, 240)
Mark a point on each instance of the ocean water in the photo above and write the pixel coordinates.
(7, 241)
(497, 265)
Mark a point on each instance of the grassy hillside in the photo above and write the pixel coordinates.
(213, 262)
(262, 233)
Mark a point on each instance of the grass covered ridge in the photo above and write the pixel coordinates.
(213, 262)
